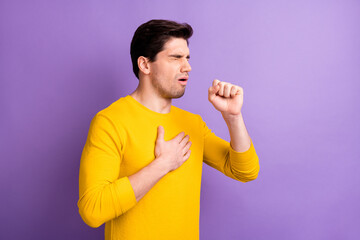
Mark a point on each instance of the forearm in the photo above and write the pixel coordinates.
(147, 177)
(241, 164)
(241, 161)
(98, 205)
(240, 139)
(244, 163)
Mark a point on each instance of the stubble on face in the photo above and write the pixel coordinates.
(169, 92)
(167, 73)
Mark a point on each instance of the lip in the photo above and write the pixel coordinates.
(185, 77)
(184, 82)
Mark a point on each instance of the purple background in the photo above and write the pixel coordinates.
(299, 65)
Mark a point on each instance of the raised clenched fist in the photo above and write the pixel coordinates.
(226, 97)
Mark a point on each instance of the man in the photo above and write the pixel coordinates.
(140, 170)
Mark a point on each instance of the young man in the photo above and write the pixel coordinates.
(140, 170)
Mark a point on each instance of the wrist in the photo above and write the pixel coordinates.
(232, 118)
(160, 165)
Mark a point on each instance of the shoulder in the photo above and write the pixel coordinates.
(110, 115)
(108, 121)
(115, 108)
(117, 111)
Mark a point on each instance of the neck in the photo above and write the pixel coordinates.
(151, 99)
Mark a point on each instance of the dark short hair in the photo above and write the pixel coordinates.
(149, 39)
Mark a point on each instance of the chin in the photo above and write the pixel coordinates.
(178, 95)
(172, 94)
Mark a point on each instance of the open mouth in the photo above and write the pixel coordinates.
(183, 81)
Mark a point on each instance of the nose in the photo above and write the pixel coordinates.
(186, 66)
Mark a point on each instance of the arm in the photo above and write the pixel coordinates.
(240, 161)
(169, 156)
(240, 139)
(102, 194)
(228, 99)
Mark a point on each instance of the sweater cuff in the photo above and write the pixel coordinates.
(125, 195)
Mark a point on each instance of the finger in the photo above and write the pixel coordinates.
(240, 91)
(221, 90)
(187, 147)
(215, 82)
(187, 155)
(179, 137)
(227, 89)
(160, 133)
(233, 91)
(184, 140)
(214, 89)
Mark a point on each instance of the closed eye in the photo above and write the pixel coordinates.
(179, 56)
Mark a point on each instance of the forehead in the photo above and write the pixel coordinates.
(178, 45)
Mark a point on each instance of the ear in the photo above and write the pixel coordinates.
(143, 64)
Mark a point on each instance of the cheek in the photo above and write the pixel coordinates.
(169, 71)
(166, 70)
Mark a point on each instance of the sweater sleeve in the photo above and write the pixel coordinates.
(102, 194)
(218, 153)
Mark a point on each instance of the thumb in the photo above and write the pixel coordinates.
(160, 133)
(215, 82)
(212, 92)
(215, 87)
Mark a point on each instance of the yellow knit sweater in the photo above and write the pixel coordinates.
(121, 141)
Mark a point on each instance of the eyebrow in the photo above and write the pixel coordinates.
(179, 56)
